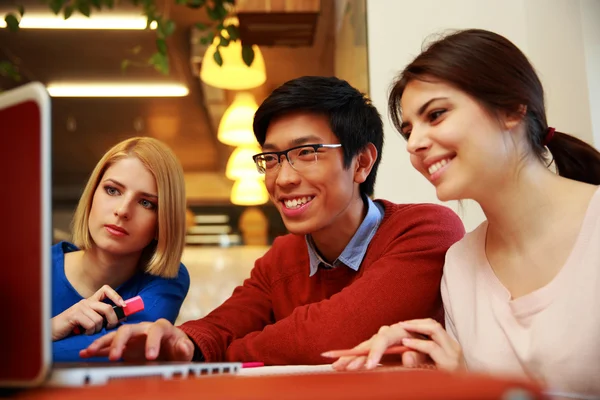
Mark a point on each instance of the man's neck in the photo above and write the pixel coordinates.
(331, 241)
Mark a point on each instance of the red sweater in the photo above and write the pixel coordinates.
(280, 315)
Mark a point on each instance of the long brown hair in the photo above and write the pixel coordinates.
(494, 71)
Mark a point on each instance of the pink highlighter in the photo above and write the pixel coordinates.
(132, 306)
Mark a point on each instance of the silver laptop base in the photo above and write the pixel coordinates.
(101, 375)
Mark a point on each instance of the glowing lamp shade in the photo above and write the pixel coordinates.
(249, 192)
(234, 74)
(235, 128)
(241, 165)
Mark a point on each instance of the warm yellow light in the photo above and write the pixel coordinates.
(96, 21)
(249, 192)
(235, 128)
(241, 165)
(234, 74)
(116, 90)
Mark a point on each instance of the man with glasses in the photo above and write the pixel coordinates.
(349, 264)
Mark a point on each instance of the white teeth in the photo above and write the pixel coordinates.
(296, 203)
(438, 165)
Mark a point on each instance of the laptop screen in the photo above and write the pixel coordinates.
(25, 204)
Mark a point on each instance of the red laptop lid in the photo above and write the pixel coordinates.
(26, 238)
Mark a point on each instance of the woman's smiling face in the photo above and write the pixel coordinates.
(453, 140)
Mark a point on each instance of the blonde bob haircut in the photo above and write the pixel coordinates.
(162, 256)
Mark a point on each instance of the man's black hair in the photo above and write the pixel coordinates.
(352, 117)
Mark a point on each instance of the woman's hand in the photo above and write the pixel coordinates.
(445, 352)
(438, 347)
(158, 340)
(88, 314)
(376, 346)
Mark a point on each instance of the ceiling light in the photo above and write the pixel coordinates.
(249, 192)
(117, 90)
(234, 74)
(96, 21)
(235, 128)
(241, 165)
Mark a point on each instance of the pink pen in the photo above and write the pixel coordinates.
(252, 364)
(132, 306)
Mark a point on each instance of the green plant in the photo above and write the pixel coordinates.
(217, 11)
(8, 70)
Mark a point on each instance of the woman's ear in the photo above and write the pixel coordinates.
(365, 160)
(512, 120)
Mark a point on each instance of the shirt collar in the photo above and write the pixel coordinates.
(355, 250)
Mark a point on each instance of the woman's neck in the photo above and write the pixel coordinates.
(93, 268)
(526, 207)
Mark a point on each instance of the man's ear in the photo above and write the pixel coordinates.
(365, 160)
(512, 120)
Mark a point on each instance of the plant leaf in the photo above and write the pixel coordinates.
(218, 58)
(204, 40)
(84, 8)
(11, 22)
(9, 70)
(161, 45)
(159, 26)
(160, 62)
(21, 10)
(68, 11)
(224, 42)
(233, 31)
(212, 14)
(201, 26)
(181, 2)
(247, 54)
(196, 3)
(169, 27)
(220, 10)
(56, 6)
(97, 4)
(165, 27)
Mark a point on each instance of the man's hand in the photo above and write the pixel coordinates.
(158, 340)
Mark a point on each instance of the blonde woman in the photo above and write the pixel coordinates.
(128, 237)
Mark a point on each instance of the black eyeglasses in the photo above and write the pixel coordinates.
(299, 157)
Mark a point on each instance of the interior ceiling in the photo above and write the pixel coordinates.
(84, 128)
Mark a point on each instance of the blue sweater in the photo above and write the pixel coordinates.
(162, 299)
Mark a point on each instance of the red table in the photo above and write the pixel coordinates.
(384, 383)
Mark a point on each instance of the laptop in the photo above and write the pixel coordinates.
(25, 282)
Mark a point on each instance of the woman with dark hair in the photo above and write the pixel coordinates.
(517, 289)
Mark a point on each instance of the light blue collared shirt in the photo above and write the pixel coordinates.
(355, 250)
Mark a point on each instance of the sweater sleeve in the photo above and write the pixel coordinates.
(402, 283)
(162, 299)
